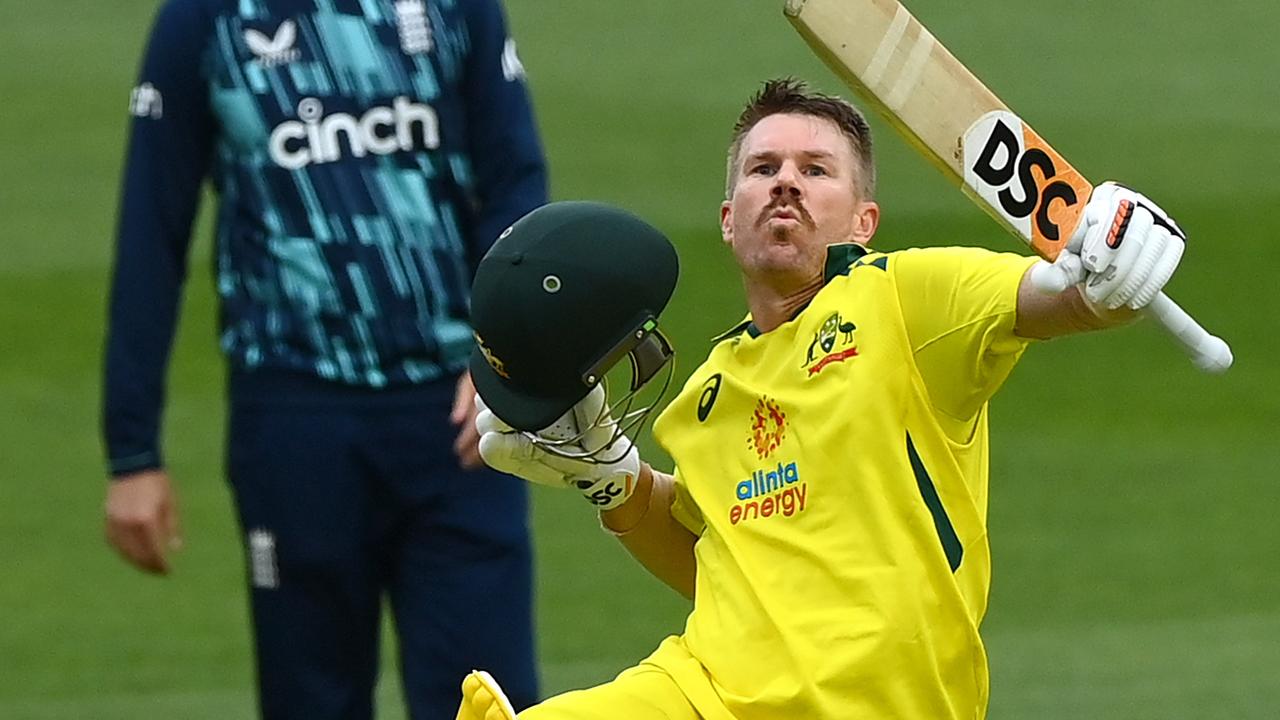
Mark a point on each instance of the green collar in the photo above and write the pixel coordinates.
(840, 259)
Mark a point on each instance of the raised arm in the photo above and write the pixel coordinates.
(1042, 316)
(1122, 255)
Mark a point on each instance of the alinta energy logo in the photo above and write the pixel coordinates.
(832, 343)
(770, 491)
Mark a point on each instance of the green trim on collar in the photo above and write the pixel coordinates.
(840, 259)
(735, 330)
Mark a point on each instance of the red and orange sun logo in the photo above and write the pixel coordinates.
(768, 427)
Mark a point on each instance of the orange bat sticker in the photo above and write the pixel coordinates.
(1023, 182)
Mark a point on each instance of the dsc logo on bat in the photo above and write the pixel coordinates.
(1023, 180)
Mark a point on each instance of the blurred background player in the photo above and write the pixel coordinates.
(365, 155)
(827, 514)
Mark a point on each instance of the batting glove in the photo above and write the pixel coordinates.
(605, 470)
(1128, 246)
(1123, 252)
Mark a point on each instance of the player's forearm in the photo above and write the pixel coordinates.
(652, 535)
(1042, 316)
(145, 291)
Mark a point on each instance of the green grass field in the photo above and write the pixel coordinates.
(1134, 501)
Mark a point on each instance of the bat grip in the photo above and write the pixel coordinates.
(1209, 352)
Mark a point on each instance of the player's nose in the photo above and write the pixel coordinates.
(785, 182)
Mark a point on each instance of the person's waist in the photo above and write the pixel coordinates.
(278, 386)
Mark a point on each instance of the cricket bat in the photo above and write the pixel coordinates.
(897, 66)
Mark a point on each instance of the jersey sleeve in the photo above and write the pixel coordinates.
(683, 509)
(168, 156)
(506, 154)
(960, 306)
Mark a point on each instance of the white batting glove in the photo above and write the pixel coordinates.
(1123, 252)
(606, 481)
(1128, 246)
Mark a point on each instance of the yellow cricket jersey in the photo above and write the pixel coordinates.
(835, 469)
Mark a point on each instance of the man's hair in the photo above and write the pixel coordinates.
(792, 96)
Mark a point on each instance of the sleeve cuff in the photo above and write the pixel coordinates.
(118, 467)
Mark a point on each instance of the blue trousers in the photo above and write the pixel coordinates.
(348, 497)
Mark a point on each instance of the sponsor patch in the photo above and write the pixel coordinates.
(769, 492)
(277, 49)
(1022, 181)
(768, 427)
(317, 137)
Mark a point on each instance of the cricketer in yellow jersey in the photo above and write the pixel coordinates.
(827, 514)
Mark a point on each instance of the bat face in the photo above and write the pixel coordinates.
(898, 67)
(1023, 182)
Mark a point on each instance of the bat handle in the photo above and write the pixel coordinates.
(1209, 352)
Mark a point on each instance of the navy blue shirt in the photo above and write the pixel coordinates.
(366, 153)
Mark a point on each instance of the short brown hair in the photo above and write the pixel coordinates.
(789, 95)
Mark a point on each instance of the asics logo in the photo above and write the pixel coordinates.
(316, 138)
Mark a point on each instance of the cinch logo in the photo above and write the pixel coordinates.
(315, 138)
(768, 426)
(832, 343)
(769, 492)
(1018, 175)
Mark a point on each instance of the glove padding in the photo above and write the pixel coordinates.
(1128, 246)
(606, 481)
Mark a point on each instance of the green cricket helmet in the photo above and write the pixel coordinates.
(565, 294)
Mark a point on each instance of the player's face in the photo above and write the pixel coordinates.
(795, 194)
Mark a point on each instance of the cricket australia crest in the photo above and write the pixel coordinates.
(833, 342)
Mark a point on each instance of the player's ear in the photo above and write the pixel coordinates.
(866, 218)
(726, 222)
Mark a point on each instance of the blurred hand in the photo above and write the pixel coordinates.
(142, 520)
(467, 445)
